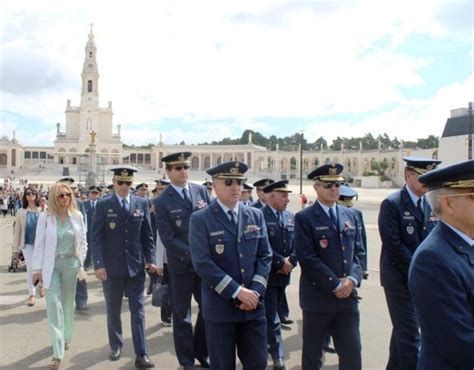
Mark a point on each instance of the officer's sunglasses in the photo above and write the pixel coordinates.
(128, 183)
(229, 182)
(64, 195)
(329, 185)
(179, 168)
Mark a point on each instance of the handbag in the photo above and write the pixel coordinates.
(160, 294)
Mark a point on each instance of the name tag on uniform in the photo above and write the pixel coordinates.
(214, 233)
(317, 228)
(272, 223)
(112, 215)
(408, 217)
(175, 210)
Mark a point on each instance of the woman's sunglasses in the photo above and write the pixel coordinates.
(128, 183)
(30, 193)
(229, 182)
(64, 195)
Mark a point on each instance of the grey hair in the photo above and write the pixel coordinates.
(435, 196)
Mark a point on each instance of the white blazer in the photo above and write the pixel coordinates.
(44, 253)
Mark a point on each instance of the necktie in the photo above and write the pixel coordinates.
(124, 204)
(232, 218)
(333, 218)
(93, 206)
(419, 207)
(185, 196)
(280, 219)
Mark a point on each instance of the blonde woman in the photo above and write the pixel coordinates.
(60, 249)
(24, 237)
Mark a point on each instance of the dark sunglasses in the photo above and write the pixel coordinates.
(64, 195)
(95, 192)
(209, 188)
(329, 185)
(30, 193)
(179, 168)
(128, 183)
(229, 182)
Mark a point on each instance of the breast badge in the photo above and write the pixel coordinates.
(219, 248)
(179, 222)
(410, 230)
(112, 225)
(323, 243)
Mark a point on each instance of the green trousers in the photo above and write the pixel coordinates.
(60, 302)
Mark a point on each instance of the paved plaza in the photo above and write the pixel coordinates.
(24, 332)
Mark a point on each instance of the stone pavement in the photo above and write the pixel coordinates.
(24, 333)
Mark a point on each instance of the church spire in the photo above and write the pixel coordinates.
(90, 75)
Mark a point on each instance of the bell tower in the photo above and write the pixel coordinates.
(90, 76)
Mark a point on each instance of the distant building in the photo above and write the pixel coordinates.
(453, 144)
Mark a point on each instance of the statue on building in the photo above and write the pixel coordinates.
(93, 135)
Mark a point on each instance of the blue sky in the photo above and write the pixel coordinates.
(202, 71)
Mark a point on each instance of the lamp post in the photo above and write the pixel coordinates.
(301, 163)
(469, 140)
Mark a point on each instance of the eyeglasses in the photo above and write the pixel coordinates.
(209, 188)
(128, 183)
(329, 185)
(229, 182)
(30, 193)
(179, 168)
(95, 192)
(64, 195)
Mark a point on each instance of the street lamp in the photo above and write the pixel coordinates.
(301, 163)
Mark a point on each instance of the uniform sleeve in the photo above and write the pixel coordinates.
(97, 233)
(363, 235)
(148, 243)
(359, 254)
(441, 301)
(201, 256)
(173, 245)
(389, 229)
(310, 262)
(264, 259)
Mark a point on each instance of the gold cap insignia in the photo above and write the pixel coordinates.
(333, 171)
(124, 173)
(181, 157)
(234, 170)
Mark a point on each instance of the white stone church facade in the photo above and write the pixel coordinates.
(89, 119)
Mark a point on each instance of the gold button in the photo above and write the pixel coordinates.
(242, 270)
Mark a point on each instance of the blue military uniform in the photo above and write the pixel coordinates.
(172, 218)
(259, 185)
(402, 227)
(327, 252)
(227, 256)
(280, 230)
(441, 281)
(122, 242)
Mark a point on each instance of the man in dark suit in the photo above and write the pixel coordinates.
(280, 227)
(173, 209)
(231, 253)
(329, 249)
(259, 185)
(122, 249)
(89, 206)
(405, 219)
(441, 275)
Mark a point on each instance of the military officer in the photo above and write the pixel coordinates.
(122, 249)
(141, 190)
(208, 186)
(329, 248)
(173, 209)
(405, 219)
(280, 227)
(259, 185)
(231, 253)
(246, 194)
(347, 198)
(441, 275)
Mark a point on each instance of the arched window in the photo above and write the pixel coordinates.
(293, 163)
(90, 54)
(89, 86)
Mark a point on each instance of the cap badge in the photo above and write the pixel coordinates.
(234, 170)
(124, 173)
(333, 171)
(429, 167)
(181, 157)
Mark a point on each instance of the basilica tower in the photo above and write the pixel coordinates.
(89, 117)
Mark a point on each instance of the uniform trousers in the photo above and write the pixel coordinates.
(249, 337)
(344, 329)
(28, 254)
(60, 302)
(114, 289)
(188, 346)
(273, 298)
(405, 339)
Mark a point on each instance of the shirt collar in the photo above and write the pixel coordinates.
(326, 208)
(121, 198)
(414, 197)
(227, 209)
(179, 189)
(465, 237)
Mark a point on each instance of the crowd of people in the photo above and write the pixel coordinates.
(234, 256)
